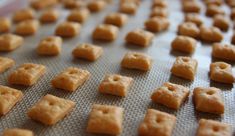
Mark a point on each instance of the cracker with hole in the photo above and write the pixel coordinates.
(129, 8)
(105, 32)
(117, 19)
(27, 74)
(9, 42)
(223, 51)
(105, 119)
(87, 51)
(17, 132)
(171, 95)
(79, 15)
(8, 98)
(50, 109)
(6, 63)
(185, 67)
(115, 84)
(135, 60)
(189, 29)
(68, 29)
(208, 100)
(210, 34)
(70, 79)
(139, 37)
(49, 16)
(184, 44)
(221, 72)
(27, 27)
(213, 128)
(50, 45)
(157, 24)
(23, 14)
(157, 123)
(96, 5)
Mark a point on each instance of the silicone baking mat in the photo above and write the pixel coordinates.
(138, 99)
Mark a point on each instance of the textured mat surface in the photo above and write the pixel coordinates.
(138, 99)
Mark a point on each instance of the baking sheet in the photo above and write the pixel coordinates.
(138, 99)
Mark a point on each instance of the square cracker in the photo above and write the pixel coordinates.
(139, 37)
(50, 45)
(105, 32)
(115, 84)
(6, 63)
(17, 132)
(9, 42)
(8, 98)
(27, 27)
(157, 123)
(27, 74)
(208, 100)
(170, 95)
(50, 109)
(87, 51)
(213, 128)
(184, 67)
(70, 79)
(135, 60)
(221, 72)
(105, 119)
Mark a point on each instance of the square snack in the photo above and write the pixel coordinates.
(157, 123)
(105, 32)
(134, 60)
(159, 3)
(221, 22)
(5, 25)
(213, 10)
(17, 132)
(9, 42)
(41, 4)
(191, 7)
(170, 95)
(117, 19)
(50, 109)
(159, 12)
(213, 128)
(157, 24)
(105, 119)
(68, 29)
(50, 45)
(73, 4)
(87, 51)
(8, 98)
(223, 51)
(96, 5)
(24, 14)
(78, 15)
(208, 100)
(184, 44)
(6, 63)
(49, 16)
(115, 85)
(139, 37)
(189, 29)
(27, 74)
(70, 79)
(210, 34)
(184, 67)
(128, 8)
(194, 18)
(221, 72)
(27, 27)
